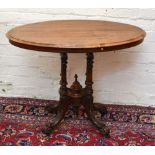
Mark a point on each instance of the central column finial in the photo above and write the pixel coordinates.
(76, 76)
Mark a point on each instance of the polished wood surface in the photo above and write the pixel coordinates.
(77, 35)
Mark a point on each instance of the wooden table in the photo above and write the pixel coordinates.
(76, 36)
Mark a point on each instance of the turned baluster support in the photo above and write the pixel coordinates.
(88, 98)
(63, 75)
(63, 102)
(76, 95)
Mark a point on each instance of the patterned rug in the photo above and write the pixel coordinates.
(21, 120)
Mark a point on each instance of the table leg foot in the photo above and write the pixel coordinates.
(52, 108)
(101, 109)
(50, 127)
(100, 126)
(89, 108)
(88, 98)
(61, 111)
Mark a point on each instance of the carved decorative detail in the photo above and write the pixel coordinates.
(76, 85)
(88, 98)
(63, 74)
(75, 90)
(89, 70)
(77, 95)
(64, 101)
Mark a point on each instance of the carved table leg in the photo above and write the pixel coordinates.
(63, 104)
(88, 97)
(77, 94)
(102, 109)
(52, 108)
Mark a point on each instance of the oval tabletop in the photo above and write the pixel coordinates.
(76, 36)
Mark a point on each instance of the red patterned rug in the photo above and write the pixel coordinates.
(21, 120)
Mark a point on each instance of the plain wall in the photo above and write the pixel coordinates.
(120, 77)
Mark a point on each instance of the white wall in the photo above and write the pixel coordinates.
(124, 77)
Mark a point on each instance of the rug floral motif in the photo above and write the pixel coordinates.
(21, 121)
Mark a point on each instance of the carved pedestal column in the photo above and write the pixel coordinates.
(76, 95)
(63, 102)
(88, 97)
